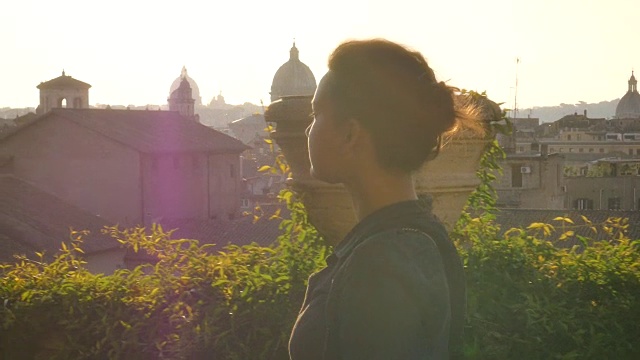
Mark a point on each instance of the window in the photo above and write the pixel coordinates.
(583, 204)
(552, 150)
(516, 176)
(630, 151)
(581, 150)
(569, 137)
(637, 151)
(590, 150)
(570, 149)
(579, 137)
(601, 150)
(614, 203)
(521, 149)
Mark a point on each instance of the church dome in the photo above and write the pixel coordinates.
(195, 91)
(293, 78)
(183, 92)
(629, 105)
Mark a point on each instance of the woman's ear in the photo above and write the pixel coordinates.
(351, 133)
(355, 136)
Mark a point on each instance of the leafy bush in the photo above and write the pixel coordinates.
(528, 299)
(236, 304)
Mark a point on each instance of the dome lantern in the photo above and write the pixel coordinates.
(294, 53)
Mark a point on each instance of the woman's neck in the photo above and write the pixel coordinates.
(375, 192)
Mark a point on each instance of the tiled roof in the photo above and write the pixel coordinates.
(531, 156)
(25, 118)
(33, 220)
(521, 218)
(63, 81)
(149, 131)
(242, 231)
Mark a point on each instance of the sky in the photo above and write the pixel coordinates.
(131, 51)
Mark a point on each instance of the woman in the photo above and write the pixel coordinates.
(394, 287)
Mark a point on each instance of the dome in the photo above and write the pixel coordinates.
(195, 91)
(293, 78)
(629, 105)
(183, 92)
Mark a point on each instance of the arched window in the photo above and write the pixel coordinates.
(62, 103)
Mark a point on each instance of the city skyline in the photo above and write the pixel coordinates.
(130, 52)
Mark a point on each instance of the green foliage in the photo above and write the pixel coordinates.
(528, 299)
(570, 171)
(478, 215)
(600, 170)
(239, 303)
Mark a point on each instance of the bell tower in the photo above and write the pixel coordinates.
(181, 100)
(63, 91)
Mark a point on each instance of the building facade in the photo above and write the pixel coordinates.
(533, 181)
(606, 184)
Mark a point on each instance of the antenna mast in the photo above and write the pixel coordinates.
(515, 97)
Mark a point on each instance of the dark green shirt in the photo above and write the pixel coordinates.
(393, 289)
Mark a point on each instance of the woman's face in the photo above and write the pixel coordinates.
(324, 137)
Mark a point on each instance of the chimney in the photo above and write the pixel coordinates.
(585, 112)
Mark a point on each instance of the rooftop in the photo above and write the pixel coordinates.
(62, 82)
(33, 220)
(146, 131)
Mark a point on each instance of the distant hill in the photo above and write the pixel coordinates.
(12, 113)
(603, 109)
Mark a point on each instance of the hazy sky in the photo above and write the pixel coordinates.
(131, 51)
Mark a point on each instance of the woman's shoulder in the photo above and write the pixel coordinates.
(399, 251)
(398, 240)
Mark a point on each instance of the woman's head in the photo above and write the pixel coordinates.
(393, 93)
